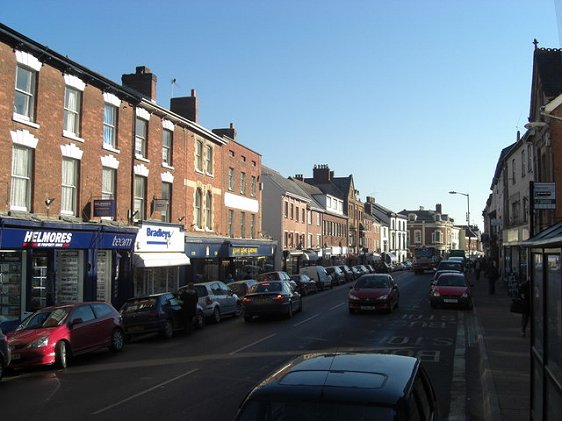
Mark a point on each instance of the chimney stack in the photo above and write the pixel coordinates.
(321, 173)
(142, 81)
(230, 132)
(438, 208)
(186, 106)
(299, 177)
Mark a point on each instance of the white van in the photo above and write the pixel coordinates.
(319, 275)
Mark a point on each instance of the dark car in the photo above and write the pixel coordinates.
(344, 387)
(241, 288)
(161, 313)
(338, 277)
(373, 292)
(382, 267)
(5, 354)
(53, 334)
(305, 284)
(271, 297)
(451, 265)
(451, 289)
(347, 272)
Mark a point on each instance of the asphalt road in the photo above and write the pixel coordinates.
(204, 376)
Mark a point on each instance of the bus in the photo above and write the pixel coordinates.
(425, 258)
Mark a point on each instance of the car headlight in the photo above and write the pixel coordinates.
(39, 342)
(383, 297)
(353, 297)
(435, 293)
(465, 295)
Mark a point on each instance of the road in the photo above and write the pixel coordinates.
(204, 376)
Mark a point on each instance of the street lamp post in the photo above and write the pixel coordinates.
(467, 218)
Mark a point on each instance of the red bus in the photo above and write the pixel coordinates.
(425, 258)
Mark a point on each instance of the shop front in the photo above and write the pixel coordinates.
(46, 263)
(545, 256)
(159, 261)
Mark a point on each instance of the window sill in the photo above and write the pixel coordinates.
(24, 120)
(110, 148)
(72, 136)
(164, 165)
(141, 158)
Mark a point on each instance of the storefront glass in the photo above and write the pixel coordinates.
(156, 280)
(68, 279)
(538, 307)
(103, 285)
(10, 284)
(41, 286)
(554, 316)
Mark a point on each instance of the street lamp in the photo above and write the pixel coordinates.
(467, 217)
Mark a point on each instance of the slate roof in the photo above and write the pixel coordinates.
(310, 190)
(286, 184)
(505, 151)
(425, 215)
(549, 67)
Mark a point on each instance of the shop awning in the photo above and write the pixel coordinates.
(153, 260)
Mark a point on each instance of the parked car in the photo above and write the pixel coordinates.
(398, 266)
(450, 265)
(362, 269)
(161, 313)
(271, 297)
(273, 276)
(382, 267)
(217, 300)
(451, 289)
(241, 288)
(5, 354)
(319, 275)
(8, 324)
(370, 268)
(304, 284)
(373, 292)
(349, 276)
(407, 264)
(53, 334)
(338, 277)
(344, 387)
(356, 272)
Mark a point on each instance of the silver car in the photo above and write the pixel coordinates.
(218, 300)
(5, 354)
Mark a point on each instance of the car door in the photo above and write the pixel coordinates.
(85, 333)
(172, 308)
(229, 299)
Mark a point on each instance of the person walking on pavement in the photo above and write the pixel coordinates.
(492, 275)
(189, 300)
(478, 268)
(524, 294)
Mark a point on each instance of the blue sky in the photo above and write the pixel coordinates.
(415, 98)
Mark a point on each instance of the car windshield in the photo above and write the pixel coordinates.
(139, 304)
(450, 266)
(372, 282)
(42, 319)
(268, 287)
(451, 281)
(314, 411)
(238, 288)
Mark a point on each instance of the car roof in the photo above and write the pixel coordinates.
(347, 377)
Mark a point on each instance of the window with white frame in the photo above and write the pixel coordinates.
(253, 186)
(209, 159)
(437, 237)
(253, 225)
(110, 125)
(199, 155)
(69, 193)
(108, 177)
(417, 237)
(243, 224)
(230, 223)
(209, 211)
(309, 217)
(513, 171)
(231, 179)
(139, 202)
(318, 240)
(523, 162)
(24, 99)
(199, 208)
(72, 108)
(22, 165)
(309, 241)
(242, 183)
(167, 195)
(141, 137)
(167, 139)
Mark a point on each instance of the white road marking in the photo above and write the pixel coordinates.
(107, 408)
(252, 344)
(305, 320)
(336, 306)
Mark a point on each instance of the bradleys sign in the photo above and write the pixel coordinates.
(160, 238)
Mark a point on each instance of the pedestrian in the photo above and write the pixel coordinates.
(229, 278)
(492, 275)
(188, 297)
(478, 268)
(524, 294)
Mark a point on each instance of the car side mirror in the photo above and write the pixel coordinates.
(76, 321)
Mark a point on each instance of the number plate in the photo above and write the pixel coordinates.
(367, 307)
(16, 357)
(450, 300)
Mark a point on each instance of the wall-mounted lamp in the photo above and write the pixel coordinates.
(535, 125)
(48, 202)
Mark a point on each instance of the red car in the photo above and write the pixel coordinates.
(450, 288)
(53, 334)
(374, 291)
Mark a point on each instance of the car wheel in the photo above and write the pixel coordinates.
(61, 355)
(248, 317)
(199, 320)
(352, 311)
(290, 310)
(216, 315)
(300, 307)
(168, 330)
(117, 341)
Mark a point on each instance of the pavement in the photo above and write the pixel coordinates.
(498, 357)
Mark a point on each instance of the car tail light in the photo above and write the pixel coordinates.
(209, 301)
(246, 300)
(280, 298)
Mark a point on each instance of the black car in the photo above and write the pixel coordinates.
(344, 387)
(5, 354)
(271, 297)
(241, 288)
(338, 277)
(305, 284)
(161, 313)
(348, 273)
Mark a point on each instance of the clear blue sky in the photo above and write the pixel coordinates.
(413, 97)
